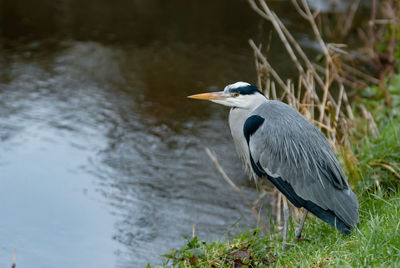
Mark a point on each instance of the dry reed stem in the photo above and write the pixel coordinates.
(283, 33)
(347, 103)
(350, 17)
(278, 210)
(268, 87)
(373, 33)
(341, 91)
(311, 19)
(329, 65)
(370, 121)
(328, 128)
(302, 54)
(322, 69)
(388, 167)
(378, 185)
(239, 191)
(267, 65)
(360, 74)
(392, 47)
(274, 96)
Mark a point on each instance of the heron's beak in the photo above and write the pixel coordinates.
(220, 95)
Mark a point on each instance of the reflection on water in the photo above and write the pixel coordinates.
(90, 111)
(102, 157)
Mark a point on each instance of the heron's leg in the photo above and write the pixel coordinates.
(285, 222)
(298, 231)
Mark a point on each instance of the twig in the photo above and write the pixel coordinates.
(347, 104)
(321, 69)
(393, 44)
(370, 120)
(350, 17)
(324, 126)
(360, 74)
(274, 20)
(341, 91)
(260, 197)
(311, 19)
(374, 34)
(267, 88)
(273, 90)
(302, 54)
(299, 10)
(378, 185)
(384, 21)
(264, 61)
(278, 210)
(258, 10)
(238, 190)
(388, 167)
(258, 69)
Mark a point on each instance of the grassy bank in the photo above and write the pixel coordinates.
(375, 243)
(376, 182)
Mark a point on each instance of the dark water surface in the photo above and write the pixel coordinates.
(102, 160)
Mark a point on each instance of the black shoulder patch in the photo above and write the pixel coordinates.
(251, 125)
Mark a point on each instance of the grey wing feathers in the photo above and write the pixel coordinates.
(290, 147)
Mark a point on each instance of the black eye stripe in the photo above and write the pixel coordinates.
(245, 90)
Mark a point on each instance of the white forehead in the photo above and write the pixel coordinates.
(236, 85)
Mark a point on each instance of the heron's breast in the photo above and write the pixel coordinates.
(237, 118)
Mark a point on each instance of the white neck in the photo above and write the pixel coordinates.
(251, 102)
(258, 100)
(237, 117)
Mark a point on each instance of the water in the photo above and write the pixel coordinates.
(102, 160)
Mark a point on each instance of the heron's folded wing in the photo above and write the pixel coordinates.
(290, 147)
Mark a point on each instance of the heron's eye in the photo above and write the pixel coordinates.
(236, 95)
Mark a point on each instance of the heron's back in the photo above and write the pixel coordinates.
(296, 157)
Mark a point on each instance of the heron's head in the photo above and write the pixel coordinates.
(240, 95)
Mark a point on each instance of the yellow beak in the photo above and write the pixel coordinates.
(209, 96)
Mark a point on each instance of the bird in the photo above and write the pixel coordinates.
(276, 142)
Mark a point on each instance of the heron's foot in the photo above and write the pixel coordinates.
(284, 246)
(301, 239)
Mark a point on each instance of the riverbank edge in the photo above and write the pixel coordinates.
(376, 241)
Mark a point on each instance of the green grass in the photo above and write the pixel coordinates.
(379, 158)
(376, 241)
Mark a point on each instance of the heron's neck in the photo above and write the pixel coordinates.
(237, 118)
(255, 101)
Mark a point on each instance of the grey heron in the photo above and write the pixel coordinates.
(276, 142)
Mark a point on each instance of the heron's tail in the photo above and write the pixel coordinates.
(343, 215)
